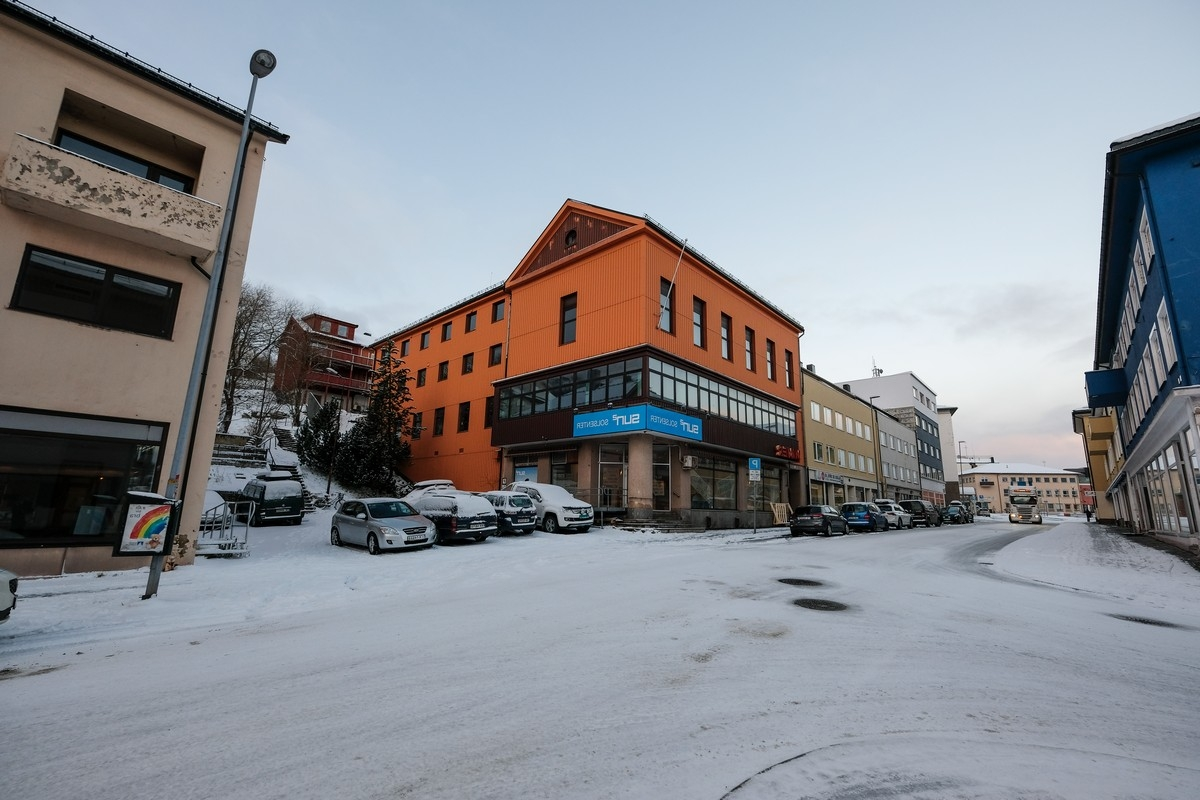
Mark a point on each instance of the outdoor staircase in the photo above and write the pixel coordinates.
(663, 521)
(286, 441)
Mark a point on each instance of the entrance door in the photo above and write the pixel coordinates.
(662, 477)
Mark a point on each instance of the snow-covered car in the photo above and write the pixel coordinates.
(897, 516)
(515, 512)
(8, 594)
(456, 513)
(557, 509)
(381, 523)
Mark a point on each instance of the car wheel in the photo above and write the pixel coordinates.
(373, 545)
(828, 531)
(481, 538)
(335, 538)
(585, 529)
(550, 523)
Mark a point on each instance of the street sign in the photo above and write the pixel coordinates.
(755, 470)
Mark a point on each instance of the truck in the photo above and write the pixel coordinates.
(1023, 504)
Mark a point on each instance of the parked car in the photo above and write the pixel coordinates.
(923, 512)
(864, 516)
(823, 520)
(557, 509)
(515, 512)
(966, 509)
(457, 514)
(8, 594)
(898, 516)
(955, 515)
(381, 523)
(276, 499)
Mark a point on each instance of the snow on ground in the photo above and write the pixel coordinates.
(977, 661)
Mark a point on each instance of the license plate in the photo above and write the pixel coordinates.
(476, 524)
(415, 537)
(524, 519)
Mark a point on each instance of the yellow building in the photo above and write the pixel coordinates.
(1058, 490)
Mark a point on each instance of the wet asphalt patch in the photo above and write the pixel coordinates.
(800, 582)
(1148, 621)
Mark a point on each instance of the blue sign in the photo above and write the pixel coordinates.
(638, 418)
(755, 463)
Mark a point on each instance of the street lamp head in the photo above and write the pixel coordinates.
(262, 63)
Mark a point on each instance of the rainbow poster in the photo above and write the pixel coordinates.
(146, 527)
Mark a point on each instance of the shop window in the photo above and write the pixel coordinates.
(86, 291)
(63, 478)
(714, 483)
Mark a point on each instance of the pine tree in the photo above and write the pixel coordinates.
(376, 448)
(317, 440)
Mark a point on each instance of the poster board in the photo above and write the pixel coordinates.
(145, 525)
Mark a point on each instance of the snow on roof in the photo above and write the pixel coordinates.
(1016, 469)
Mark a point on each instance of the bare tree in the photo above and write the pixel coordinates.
(261, 318)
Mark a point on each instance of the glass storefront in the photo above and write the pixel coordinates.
(714, 483)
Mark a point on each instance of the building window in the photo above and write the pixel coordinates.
(421, 377)
(343, 331)
(818, 451)
(425, 340)
(472, 321)
(714, 483)
(789, 378)
(770, 360)
(566, 324)
(699, 329)
(417, 424)
(464, 416)
(404, 347)
(726, 334)
(489, 410)
(750, 349)
(65, 476)
(447, 328)
(86, 291)
(443, 370)
(326, 326)
(123, 161)
(814, 409)
(666, 313)
(439, 421)
(497, 311)
(495, 352)
(468, 363)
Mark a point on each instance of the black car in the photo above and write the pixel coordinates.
(955, 515)
(823, 520)
(923, 512)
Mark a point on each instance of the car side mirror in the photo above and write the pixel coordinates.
(360, 516)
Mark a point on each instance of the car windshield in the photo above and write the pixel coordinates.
(391, 508)
(520, 501)
(809, 510)
(276, 490)
(855, 507)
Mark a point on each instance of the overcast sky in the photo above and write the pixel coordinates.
(918, 183)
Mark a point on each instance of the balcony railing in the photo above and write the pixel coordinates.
(343, 357)
(58, 184)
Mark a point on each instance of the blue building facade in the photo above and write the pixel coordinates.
(1147, 355)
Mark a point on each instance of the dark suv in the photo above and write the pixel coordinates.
(923, 513)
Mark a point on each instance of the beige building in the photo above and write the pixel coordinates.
(841, 443)
(1058, 490)
(112, 192)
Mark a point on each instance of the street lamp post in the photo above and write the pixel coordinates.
(261, 65)
(878, 445)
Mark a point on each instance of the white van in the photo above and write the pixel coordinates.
(557, 509)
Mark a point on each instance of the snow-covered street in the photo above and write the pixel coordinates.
(975, 661)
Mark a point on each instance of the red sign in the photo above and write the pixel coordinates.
(783, 451)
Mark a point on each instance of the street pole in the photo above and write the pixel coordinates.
(261, 65)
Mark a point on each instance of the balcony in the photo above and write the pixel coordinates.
(60, 185)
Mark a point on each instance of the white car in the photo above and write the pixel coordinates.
(557, 509)
(898, 518)
(8, 593)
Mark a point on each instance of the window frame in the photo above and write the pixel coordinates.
(699, 323)
(26, 293)
(568, 316)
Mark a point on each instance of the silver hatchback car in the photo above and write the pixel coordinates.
(381, 523)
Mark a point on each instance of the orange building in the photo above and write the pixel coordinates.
(619, 363)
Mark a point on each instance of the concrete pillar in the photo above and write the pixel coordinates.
(641, 475)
